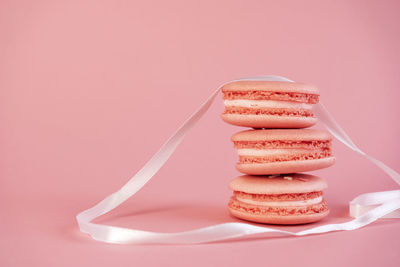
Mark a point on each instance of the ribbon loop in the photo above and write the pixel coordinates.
(365, 208)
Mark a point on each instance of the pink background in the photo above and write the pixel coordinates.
(91, 89)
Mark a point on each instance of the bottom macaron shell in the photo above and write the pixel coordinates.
(283, 167)
(279, 219)
(269, 121)
(278, 215)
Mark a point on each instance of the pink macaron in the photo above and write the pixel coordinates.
(269, 104)
(277, 151)
(285, 199)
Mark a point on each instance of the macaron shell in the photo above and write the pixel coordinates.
(278, 219)
(282, 135)
(287, 184)
(269, 121)
(271, 86)
(283, 167)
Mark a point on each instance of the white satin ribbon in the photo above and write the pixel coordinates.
(365, 208)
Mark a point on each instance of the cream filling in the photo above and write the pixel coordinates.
(266, 104)
(270, 152)
(282, 203)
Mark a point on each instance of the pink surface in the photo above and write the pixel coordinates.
(91, 89)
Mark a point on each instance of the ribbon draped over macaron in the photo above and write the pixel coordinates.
(365, 208)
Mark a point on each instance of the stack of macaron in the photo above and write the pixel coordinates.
(272, 154)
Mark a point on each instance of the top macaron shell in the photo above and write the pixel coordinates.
(282, 134)
(269, 104)
(270, 86)
(283, 184)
